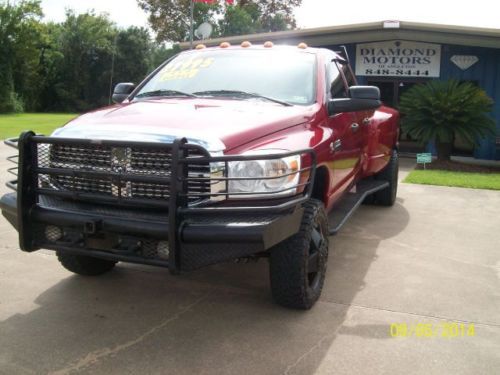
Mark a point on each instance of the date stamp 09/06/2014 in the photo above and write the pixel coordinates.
(447, 330)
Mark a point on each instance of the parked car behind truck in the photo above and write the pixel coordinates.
(221, 153)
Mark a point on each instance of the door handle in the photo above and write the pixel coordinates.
(335, 146)
(355, 127)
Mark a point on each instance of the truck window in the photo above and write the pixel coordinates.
(283, 75)
(336, 86)
(342, 79)
(347, 72)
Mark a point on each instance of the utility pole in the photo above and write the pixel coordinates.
(112, 69)
(191, 31)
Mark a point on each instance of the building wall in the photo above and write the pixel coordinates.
(486, 72)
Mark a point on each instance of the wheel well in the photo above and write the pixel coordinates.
(320, 184)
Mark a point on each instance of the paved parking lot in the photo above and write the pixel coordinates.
(433, 258)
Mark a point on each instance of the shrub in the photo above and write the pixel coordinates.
(11, 103)
(440, 110)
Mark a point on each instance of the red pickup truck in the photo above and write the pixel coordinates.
(220, 154)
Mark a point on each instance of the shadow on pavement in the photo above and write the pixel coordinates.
(218, 320)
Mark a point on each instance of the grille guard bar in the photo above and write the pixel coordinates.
(28, 187)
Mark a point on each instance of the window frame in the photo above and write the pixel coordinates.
(343, 69)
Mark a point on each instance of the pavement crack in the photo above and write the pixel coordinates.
(312, 349)
(437, 317)
(363, 233)
(316, 346)
(93, 357)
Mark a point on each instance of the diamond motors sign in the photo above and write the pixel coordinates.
(398, 59)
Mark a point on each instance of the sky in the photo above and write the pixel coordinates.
(316, 13)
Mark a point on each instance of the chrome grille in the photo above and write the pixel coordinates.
(131, 160)
(88, 158)
(147, 162)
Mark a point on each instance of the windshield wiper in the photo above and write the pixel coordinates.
(240, 94)
(165, 93)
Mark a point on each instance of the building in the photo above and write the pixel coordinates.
(395, 55)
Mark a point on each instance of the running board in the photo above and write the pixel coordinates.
(350, 202)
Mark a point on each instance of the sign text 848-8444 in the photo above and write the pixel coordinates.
(397, 72)
(398, 58)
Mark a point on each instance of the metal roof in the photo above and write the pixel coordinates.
(371, 32)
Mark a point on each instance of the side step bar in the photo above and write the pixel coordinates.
(350, 202)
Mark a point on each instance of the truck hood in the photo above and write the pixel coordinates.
(217, 125)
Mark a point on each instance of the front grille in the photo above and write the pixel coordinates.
(118, 160)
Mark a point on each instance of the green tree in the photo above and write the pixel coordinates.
(133, 55)
(86, 55)
(69, 66)
(440, 110)
(82, 79)
(278, 15)
(244, 18)
(161, 53)
(51, 64)
(21, 34)
(170, 18)
(237, 21)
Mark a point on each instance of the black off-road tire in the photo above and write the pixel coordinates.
(387, 196)
(292, 283)
(85, 265)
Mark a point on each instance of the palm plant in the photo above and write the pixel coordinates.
(440, 110)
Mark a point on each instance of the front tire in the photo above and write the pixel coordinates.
(387, 196)
(85, 265)
(298, 264)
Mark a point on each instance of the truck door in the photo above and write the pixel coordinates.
(348, 132)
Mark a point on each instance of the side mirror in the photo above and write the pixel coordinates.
(364, 92)
(122, 91)
(362, 98)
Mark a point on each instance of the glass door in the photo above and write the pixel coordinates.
(390, 92)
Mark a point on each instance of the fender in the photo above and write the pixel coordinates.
(383, 135)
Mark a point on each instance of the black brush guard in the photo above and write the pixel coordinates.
(217, 229)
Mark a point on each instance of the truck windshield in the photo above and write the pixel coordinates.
(279, 76)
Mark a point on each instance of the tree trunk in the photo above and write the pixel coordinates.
(443, 150)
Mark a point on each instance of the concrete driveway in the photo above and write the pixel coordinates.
(433, 258)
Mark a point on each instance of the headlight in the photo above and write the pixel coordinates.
(264, 176)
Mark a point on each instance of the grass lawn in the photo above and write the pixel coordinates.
(456, 179)
(41, 123)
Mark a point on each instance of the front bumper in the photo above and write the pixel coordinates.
(201, 240)
(171, 234)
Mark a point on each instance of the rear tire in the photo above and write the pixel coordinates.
(85, 265)
(387, 196)
(298, 264)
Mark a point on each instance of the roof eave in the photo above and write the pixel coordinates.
(369, 32)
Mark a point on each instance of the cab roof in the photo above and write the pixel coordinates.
(275, 47)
